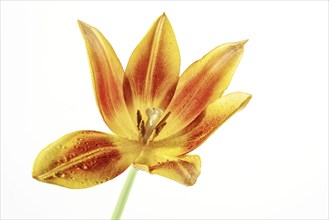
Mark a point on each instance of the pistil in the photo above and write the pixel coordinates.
(153, 116)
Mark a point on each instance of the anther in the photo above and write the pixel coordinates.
(142, 128)
(139, 119)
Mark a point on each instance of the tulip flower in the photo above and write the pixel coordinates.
(157, 116)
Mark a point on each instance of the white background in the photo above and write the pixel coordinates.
(268, 161)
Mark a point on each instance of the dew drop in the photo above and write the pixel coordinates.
(62, 159)
(60, 174)
(61, 146)
(84, 166)
(72, 155)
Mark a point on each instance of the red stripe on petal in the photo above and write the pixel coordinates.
(153, 69)
(202, 83)
(108, 74)
(84, 158)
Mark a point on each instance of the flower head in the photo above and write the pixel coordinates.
(157, 116)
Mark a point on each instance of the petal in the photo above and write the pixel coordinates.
(201, 84)
(153, 69)
(107, 74)
(83, 159)
(203, 126)
(184, 169)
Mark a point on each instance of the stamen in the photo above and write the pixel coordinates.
(142, 128)
(139, 119)
(160, 125)
(164, 119)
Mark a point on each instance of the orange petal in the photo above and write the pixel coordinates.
(201, 84)
(83, 159)
(153, 69)
(184, 169)
(203, 126)
(107, 74)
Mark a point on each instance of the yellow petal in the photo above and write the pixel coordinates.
(184, 169)
(83, 159)
(203, 126)
(153, 69)
(107, 75)
(201, 84)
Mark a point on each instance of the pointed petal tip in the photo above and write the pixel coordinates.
(163, 17)
(82, 25)
(243, 42)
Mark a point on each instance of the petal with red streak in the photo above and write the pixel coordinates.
(84, 159)
(203, 126)
(201, 84)
(107, 75)
(153, 69)
(184, 169)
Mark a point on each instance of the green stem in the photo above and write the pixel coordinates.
(124, 194)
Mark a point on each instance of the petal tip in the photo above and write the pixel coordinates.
(243, 42)
(82, 26)
(246, 100)
(81, 23)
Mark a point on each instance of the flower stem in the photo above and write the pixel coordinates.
(121, 203)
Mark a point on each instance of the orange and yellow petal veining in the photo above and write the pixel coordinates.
(83, 159)
(158, 117)
(202, 83)
(203, 126)
(184, 169)
(153, 69)
(107, 75)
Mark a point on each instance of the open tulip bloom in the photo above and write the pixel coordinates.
(157, 116)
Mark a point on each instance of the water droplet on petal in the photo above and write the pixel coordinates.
(61, 146)
(72, 155)
(84, 166)
(60, 174)
(62, 159)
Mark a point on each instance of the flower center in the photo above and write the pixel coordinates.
(152, 123)
(153, 116)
